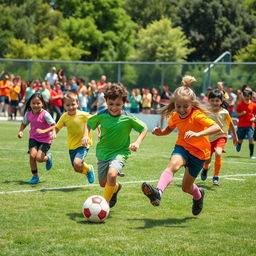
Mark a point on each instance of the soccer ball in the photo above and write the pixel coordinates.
(95, 208)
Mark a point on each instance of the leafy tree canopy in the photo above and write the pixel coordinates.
(161, 42)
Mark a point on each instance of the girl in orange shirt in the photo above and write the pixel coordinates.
(192, 146)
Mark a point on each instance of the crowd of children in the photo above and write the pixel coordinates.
(202, 125)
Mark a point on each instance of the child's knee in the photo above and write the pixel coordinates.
(102, 183)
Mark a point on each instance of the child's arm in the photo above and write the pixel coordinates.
(51, 128)
(22, 128)
(86, 140)
(136, 145)
(159, 132)
(238, 114)
(209, 131)
(233, 130)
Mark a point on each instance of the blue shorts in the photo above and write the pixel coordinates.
(193, 163)
(80, 153)
(245, 132)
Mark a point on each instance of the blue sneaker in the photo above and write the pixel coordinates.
(238, 147)
(49, 162)
(34, 180)
(90, 174)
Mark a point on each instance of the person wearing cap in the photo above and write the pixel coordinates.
(51, 77)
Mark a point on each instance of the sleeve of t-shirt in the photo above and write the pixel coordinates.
(25, 120)
(49, 119)
(204, 120)
(171, 123)
(93, 122)
(238, 107)
(228, 119)
(138, 125)
(61, 122)
(86, 116)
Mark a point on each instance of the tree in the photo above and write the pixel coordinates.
(215, 26)
(161, 42)
(103, 26)
(60, 48)
(247, 54)
(145, 12)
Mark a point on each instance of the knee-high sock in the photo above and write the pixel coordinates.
(251, 147)
(165, 179)
(86, 168)
(196, 192)
(109, 191)
(217, 165)
(206, 165)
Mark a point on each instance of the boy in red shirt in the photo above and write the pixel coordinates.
(246, 111)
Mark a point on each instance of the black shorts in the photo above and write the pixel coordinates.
(44, 147)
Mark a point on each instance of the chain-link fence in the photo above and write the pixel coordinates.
(140, 74)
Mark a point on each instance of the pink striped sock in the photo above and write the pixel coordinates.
(196, 192)
(165, 179)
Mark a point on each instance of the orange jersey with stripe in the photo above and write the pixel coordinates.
(197, 121)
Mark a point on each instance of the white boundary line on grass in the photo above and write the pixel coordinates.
(228, 177)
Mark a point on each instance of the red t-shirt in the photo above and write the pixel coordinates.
(244, 120)
(57, 102)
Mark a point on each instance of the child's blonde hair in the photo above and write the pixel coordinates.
(183, 92)
(70, 96)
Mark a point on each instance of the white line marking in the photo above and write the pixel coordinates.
(127, 182)
(233, 179)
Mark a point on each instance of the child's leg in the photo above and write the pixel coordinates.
(111, 186)
(32, 161)
(175, 163)
(41, 156)
(251, 146)
(189, 187)
(218, 161)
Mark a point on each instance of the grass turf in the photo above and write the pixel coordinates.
(50, 222)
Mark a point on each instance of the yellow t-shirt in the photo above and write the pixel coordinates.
(75, 128)
(197, 121)
(14, 92)
(223, 119)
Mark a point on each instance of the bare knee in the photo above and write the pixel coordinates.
(102, 183)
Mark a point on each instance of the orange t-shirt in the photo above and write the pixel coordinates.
(14, 92)
(197, 121)
(5, 91)
(250, 109)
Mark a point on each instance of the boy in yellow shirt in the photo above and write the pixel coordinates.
(76, 124)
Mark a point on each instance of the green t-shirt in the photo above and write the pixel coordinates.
(115, 134)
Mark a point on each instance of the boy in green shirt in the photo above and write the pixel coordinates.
(114, 146)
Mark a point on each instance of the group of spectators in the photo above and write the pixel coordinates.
(14, 93)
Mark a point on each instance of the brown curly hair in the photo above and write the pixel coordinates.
(116, 90)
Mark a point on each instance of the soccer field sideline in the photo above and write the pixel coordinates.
(227, 177)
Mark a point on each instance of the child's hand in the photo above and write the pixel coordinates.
(157, 131)
(40, 131)
(85, 141)
(253, 119)
(235, 141)
(134, 147)
(20, 135)
(53, 136)
(190, 134)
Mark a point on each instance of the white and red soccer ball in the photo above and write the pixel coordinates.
(95, 208)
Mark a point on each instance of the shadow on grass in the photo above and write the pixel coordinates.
(235, 157)
(21, 182)
(75, 216)
(150, 223)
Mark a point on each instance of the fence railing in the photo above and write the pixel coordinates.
(139, 74)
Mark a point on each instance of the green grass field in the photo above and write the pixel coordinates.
(50, 222)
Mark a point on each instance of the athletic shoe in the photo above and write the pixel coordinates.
(204, 174)
(198, 204)
(215, 180)
(238, 147)
(48, 165)
(90, 174)
(34, 180)
(252, 157)
(113, 199)
(152, 193)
